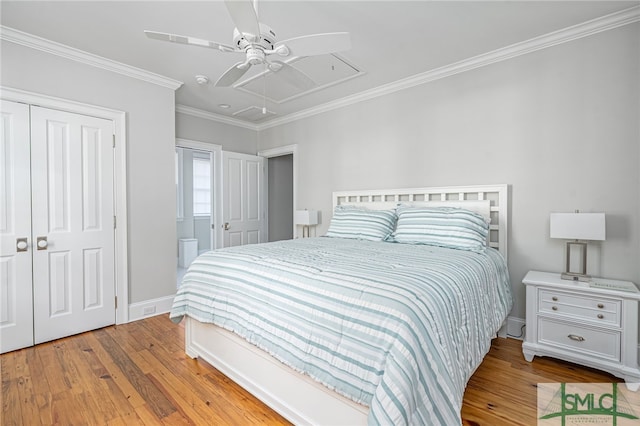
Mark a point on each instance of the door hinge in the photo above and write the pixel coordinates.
(116, 298)
(114, 140)
(114, 222)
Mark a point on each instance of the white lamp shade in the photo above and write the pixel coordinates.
(306, 217)
(577, 226)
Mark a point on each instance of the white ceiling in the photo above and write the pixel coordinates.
(391, 40)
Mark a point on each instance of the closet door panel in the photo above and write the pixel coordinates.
(16, 309)
(72, 180)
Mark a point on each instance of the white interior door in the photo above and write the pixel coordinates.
(243, 199)
(73, 223)
(16, 309)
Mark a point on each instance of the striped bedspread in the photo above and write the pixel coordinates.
(400, 328)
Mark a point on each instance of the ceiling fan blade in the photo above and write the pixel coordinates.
(175, 38)
(317, 44)
(292, 75)
(232, 75)
(244, 17)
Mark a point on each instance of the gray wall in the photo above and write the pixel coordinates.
(559, 125)
(151, 139)
(280, 178)
(232, 138)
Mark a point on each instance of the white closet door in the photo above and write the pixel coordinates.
(16, 304)
(73, 223)
(243, 204)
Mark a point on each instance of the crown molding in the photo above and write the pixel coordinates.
(195, 112)
(34, 42)
(585, 29)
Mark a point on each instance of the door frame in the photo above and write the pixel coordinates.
(121, 272)
(277, 152)
(215, 152)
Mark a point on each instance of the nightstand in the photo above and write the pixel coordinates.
(590, 326)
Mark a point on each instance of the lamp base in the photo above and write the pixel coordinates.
(576, 276)
(571, 276)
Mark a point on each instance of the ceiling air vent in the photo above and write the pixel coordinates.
(325, 70)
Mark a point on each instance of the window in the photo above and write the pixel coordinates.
(201, 186)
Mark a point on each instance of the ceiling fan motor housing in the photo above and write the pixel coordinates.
(266, 40)
(255, 56)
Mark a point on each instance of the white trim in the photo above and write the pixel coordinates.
(34, 42)
(585, 29)
(514, 328)
(201, 146)
(277, 152)
(180, 185)
(161, 305)
(216, 183)
(120, 178)
(195, 112)
(554, 38)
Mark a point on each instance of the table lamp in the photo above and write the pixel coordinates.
(580, 228)
(306, 218)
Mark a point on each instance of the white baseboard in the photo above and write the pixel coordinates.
(150, 308)
(514, 328)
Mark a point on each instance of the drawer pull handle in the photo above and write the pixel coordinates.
(600, 305)
(600, 316)
(554, 298)
(576, 337)
(555, 308)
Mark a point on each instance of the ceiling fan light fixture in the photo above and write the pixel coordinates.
(255, 56)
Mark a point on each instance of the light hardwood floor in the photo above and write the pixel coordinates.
(137, 373)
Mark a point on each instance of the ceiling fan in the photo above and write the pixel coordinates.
(258, 42)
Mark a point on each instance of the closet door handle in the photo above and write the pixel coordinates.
(22, 244)
(42, 243)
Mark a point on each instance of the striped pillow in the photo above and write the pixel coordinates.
(363, 224)
(441, 226)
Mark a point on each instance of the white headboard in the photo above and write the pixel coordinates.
(455, 196)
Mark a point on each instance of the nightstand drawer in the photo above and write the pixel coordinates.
(597, 310)
(602, 343)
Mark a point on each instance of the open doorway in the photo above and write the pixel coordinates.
(280, 196)
(281, 191)
(196, 201)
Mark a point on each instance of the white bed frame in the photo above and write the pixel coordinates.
(295, 396)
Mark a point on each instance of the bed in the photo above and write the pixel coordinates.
(340, 330)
